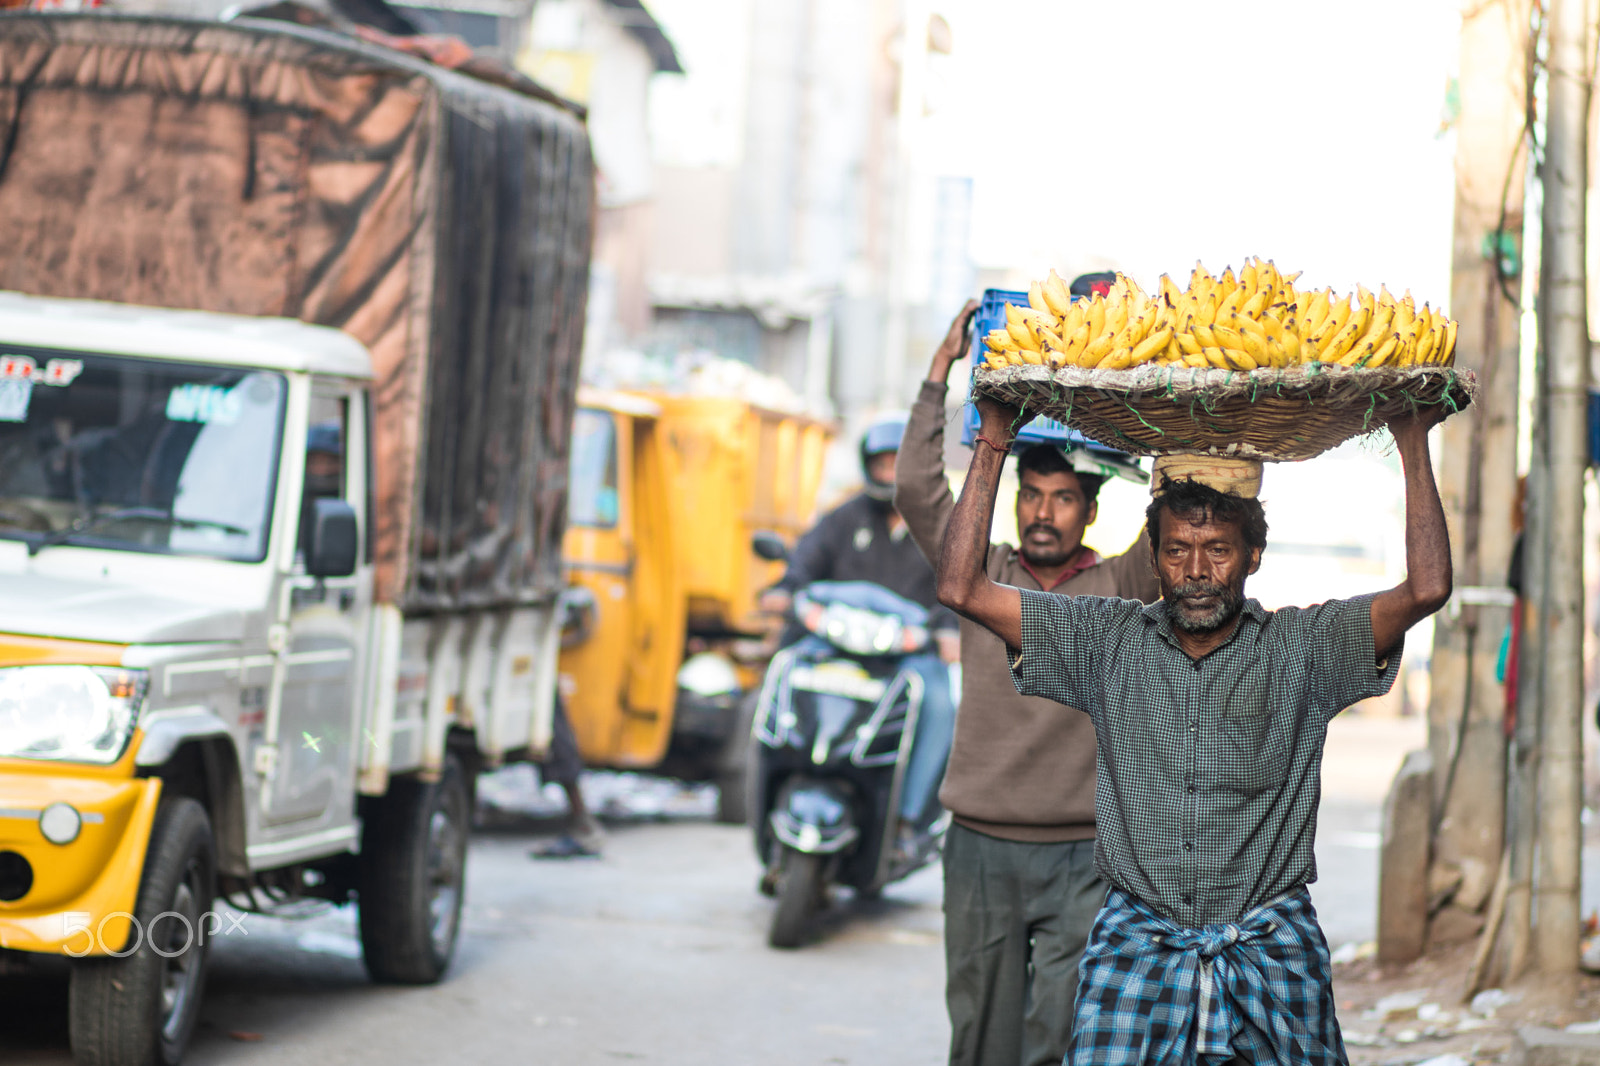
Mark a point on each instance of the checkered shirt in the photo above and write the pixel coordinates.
(1209, 769)
(1152, 991)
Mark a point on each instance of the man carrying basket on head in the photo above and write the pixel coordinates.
(1210, 714)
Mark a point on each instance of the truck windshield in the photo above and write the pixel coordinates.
(137, 454)
(592, 489)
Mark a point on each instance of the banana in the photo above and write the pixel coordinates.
(1378, 328)
(1096, 316)
(1146, 349)
(1076, 344)
(1036, 299)
(1447, 351)
(1021, 335)
(997, 340)
(1058, 296)
(1247, 276)
(1230, 303)
(1292, 348)
(1215, 357)
(1384, 351)
(1238, 359)
(1227, 337)
(1341, 343)
(1204, 335)
(1338, 315)
(1189, 343)
(1170, 291)
(1097, 348)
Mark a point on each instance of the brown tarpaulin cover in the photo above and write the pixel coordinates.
(261, 168)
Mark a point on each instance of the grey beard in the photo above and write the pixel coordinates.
(1229, 603)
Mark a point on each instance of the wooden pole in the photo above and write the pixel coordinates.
(1565, 344)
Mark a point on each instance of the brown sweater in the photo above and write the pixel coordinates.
(1021, 767)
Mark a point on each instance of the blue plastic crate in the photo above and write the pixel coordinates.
(992, 315)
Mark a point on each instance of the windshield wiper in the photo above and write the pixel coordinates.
(153, 514)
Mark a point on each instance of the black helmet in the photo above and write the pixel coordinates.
(1096, 284)
(883, 435)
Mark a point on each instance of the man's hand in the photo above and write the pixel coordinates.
(997, 420)
(1412, 429)
(948, 642)
(954, 345)
(776, 601)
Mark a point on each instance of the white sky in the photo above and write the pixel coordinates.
(1145, 135)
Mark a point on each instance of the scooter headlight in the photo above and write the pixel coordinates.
(861, 632)
(69, 713)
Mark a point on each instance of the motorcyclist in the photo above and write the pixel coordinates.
(865, 539)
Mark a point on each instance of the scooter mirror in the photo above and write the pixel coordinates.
(769, 546)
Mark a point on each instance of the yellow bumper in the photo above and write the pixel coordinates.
(83, 893)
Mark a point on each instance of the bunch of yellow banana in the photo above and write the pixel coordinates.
(1245, 322)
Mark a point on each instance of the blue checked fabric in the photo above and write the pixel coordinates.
(1209, 770)
(1153, 991)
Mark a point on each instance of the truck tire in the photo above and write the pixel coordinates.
(413, 873)
(141, 1009)
(799, 898)
(733, 763)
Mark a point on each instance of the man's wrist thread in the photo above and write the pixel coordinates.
(1001, 448)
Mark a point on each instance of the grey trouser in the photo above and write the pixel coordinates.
(1016, 919)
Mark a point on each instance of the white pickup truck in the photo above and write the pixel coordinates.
(274, 584)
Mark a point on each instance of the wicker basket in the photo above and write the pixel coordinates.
(1275, 415)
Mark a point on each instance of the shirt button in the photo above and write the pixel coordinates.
(1191, 790)
(1188, 845)
(1191, 727)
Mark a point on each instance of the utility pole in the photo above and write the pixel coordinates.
(1477, 476)
(913, 94)
(1564, 384)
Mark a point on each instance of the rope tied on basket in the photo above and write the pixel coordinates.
(1239, 476)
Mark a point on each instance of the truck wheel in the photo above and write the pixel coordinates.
(733, 761)
(141, 1009)
(799, 898)
(413, 870)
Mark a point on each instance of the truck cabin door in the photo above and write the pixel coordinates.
(316, 675)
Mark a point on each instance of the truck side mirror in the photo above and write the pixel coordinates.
(580, 614)
(769, 546)
(332, 546)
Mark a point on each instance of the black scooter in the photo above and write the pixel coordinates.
(833, 729)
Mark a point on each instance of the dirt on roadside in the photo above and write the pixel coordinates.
(1411, 1014)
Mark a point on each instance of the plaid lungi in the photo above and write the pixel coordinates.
(1151, 991)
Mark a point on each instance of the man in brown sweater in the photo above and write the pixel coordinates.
(1021, 891)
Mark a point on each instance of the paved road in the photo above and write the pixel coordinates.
(655, 954)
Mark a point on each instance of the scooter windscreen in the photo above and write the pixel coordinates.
(862, 618)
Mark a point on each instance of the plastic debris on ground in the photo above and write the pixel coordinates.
(612, 796)
(1488, 1001)
(1584, 1027)
(1353, 951)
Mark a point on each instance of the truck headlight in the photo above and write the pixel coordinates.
(70, 713)
(708, 674)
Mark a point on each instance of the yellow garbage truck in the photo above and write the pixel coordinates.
(679, 508)
(289, 337)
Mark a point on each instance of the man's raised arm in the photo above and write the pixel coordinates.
(1428, 569)
(964, 583)
(921, 491)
